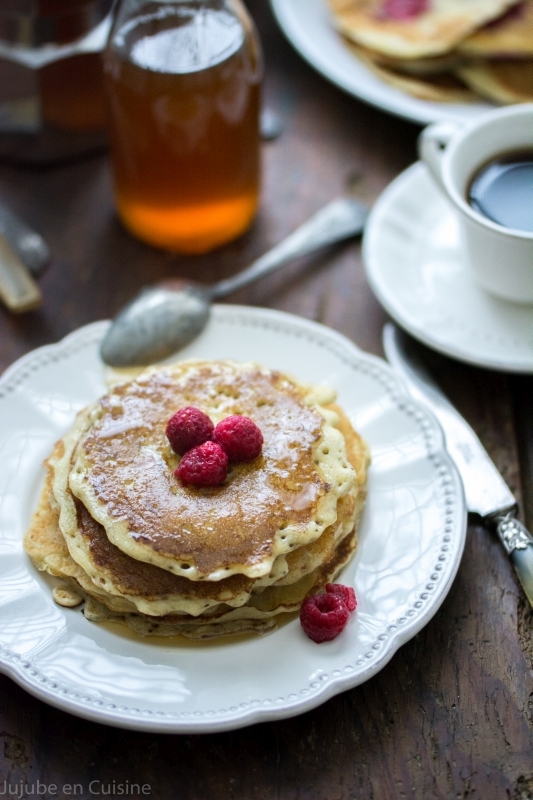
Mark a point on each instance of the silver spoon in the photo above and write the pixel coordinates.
(164, 318)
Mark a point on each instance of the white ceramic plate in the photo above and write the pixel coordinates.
(410, 545)
(417, 270)
(307, 25)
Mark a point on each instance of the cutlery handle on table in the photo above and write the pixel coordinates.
(29, 245)
(340, 219)
(518, 544)
(18, 290)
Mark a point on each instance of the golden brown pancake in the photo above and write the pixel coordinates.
(504, 81)
(123, 472)
(508, 37)
(258, 616)
(417, 67)
(47, 548)
(438, 87)
(436, 30)
(152, 600)
(155, 591)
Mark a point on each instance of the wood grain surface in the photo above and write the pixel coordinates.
(451, 715)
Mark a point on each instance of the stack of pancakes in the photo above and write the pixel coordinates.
(444, 50)
(163, 557)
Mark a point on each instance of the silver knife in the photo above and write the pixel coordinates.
(486, 492)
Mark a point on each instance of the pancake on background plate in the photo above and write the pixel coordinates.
(438, 86)
(413, 28)
(444, 50)
(508, 37)
(204, 561)
(504, 81)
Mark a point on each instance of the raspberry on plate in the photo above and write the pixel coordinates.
(240, 437)
(188, 428)
(323, 616)
(346, 593)
(205, 465)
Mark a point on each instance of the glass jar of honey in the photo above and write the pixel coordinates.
(183, 80)
(52, 103)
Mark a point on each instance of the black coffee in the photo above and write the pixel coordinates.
(502, 190)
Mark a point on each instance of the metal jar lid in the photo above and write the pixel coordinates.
(33, 23)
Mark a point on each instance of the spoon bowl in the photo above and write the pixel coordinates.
(159, 321)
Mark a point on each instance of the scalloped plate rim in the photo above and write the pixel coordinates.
(116, 718)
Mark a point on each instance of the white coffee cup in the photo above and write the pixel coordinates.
(501, 259)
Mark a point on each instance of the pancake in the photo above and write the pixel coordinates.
(310, 572)
(418, 67)
(66, 540)
(47, 548)
(438, 29)
(258, 616)
(155, 591)
(286, 498)
(149, 588)
(438, 87)
(504, 81)
(508, 37)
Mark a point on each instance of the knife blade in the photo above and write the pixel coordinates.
(486, 492)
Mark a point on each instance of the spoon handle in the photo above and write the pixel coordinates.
(338, 220)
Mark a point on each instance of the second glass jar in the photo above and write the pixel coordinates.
(183, 82)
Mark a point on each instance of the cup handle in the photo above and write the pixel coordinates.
(432, 144)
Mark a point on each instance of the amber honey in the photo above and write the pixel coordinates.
(72, 94)
(183, 91)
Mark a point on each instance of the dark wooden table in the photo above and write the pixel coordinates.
(451, 714)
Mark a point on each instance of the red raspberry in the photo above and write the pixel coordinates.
(323, 616)
(346, 593)
(188, 428)
(205, 465)
(402, 9)
(240, 437)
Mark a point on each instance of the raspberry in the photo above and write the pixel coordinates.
(240, 437)
(346, 593)
(402, 9)
(205, 465)
(188, 428)
(323, 616)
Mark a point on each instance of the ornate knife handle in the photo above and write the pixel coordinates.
(518, 544)
(513, 535)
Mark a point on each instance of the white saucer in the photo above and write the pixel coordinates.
(416, 268)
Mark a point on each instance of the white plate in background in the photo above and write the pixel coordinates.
(307, 25)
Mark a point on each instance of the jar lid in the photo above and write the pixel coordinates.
(33, 23)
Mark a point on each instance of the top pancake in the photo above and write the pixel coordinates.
(436, 30)
(158, 591)
(508, 37)
(123, 471)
